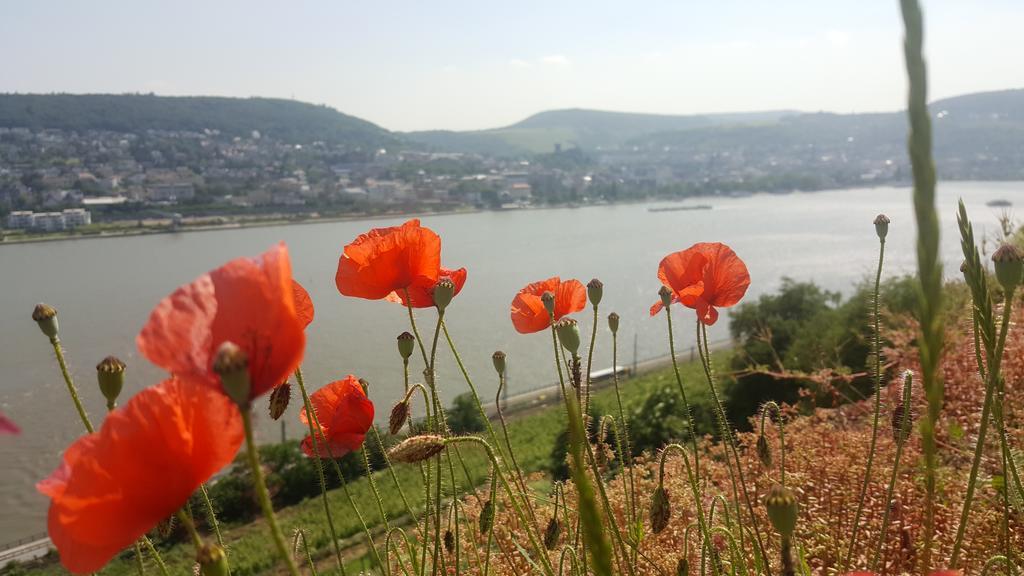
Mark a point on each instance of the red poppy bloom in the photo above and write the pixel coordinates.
(528, 312)
(386, 260)
(421, 294)
(344, 413)
(7, 426)
(248, 301)
(705, 277)
(139, 468)
(303, 304)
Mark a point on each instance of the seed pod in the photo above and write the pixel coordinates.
(449, 541)
(486, 517)
(661, 510)
(881, 226)
(613, 322)
(665, 293)
(212, 561)
(417, 449)
(399, 414)
(231, 363)
(568, 334)
(406, 345)
(110, 375)
(683, 567)
(1009, 265)
(498, 358)
(548, 299)
(46, 317)
(279, 399)
(764, 452)
(595, 290)
(551, 534)
(782, 510)
(444, 291)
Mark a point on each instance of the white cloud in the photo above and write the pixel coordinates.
(517, 63)
(555, 60)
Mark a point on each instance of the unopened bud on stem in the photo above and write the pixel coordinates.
(231, 363)
(46, 317)
(666, 296)
(110, 374)
(399, 415)
(212, 561)
(548, 299)
(280, 397)
(417, 449)
(782, 510)
(661, 510)
(764, 452)
(613, 322)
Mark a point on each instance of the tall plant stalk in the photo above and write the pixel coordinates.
(902, 434)
(928, 264)
(876, 351)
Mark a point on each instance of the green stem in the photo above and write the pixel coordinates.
(373, 486)
(314, 437)
(624, 423)
(702, 523)
(156, 556)
(682, 391)
(72, 390)
(877, 410)
(901, 440)
(260, 486)
(211, 517)
(300, 535)
(774, 408)
(391, 472)
(139, 566)
(731, 442)
(519, 478)
(590, 363)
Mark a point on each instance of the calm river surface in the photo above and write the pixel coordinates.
(104, 290)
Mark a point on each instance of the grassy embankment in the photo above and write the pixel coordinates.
(532, 435)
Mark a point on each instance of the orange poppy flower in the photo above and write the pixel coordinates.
(386, 260)
(248, 301)
(303, 304)
(705, 277)
(140, 467)
(421, 294)
(345, 414)
(528, 312)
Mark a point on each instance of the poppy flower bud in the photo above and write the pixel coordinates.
(764, 452)
(782, 510)
(279, 399)
(487, 517)
(46, 317)
(595, 290)
(231, 363)
(548, 299)
(683, 567)
(1009, 265)
(399, 414)
(444, 291)
(110, 374)
(449, 541)
(551, 534)
(212, 561)
(666, 296)
(499, 362)
(417, 449)
(568, 334)
(406, 345)
(613, 322)
(881, 226)
(661, 510)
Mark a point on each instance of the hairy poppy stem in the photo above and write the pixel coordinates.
(901, 439)
(262, 495)
(139, 566)
(682, 391)
(319, 468)
(772, 407)
(702, 344)
(876, 345)
(156, 556)
(693, 481)
(624, 424)
(211, 517)
(391, 472)
(520, 480)
(58, 350)
(190, 527)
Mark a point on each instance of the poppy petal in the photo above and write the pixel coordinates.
(7, 426)
(248, 301)
(421, 294)
(528, 312)
(385, 260)
(303, 304)
(139, 468)
(344, 413)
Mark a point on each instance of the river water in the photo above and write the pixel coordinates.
(104, 290)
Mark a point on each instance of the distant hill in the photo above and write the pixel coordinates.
(576, 127)
(285, 120)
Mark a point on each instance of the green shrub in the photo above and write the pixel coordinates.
(464, 417)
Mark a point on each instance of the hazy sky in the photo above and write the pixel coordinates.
(424, 64)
